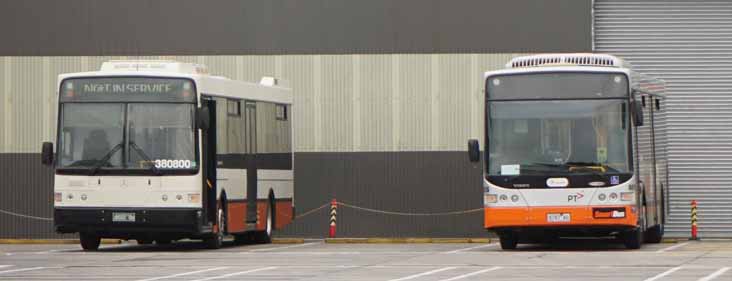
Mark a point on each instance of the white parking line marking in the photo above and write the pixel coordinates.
(185, 273)
(473, 273)
(284, 247)
(471, 248)
(337, 253)
(715, 274)
(55, 251)
(237, 273)
(662, 274)
(424, 273)
(673, 247)
(22, 269)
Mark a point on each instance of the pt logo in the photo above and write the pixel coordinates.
(575, 197)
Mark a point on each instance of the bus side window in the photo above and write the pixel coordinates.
(643, 101)
(658, 104)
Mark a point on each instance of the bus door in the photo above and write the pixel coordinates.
(250, 130)
(209, 164)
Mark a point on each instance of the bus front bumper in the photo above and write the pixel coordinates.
(560, 217)
(128, 222)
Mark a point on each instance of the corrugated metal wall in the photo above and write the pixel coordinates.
(689, 45)
(378, 131)
(342, 102)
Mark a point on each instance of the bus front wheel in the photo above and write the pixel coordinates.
(633, 238)
(89, 241)
(655, 234)
(509, 241)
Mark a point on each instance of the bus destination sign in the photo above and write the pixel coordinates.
(127, 89)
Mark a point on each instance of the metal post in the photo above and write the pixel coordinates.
(693, 221)
(333, 207)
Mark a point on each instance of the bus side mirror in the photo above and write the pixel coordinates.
(637, 113)
(203, 118)
(47, 154)
(473, 150)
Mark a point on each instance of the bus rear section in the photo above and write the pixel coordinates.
(139, 156)
(571, 150)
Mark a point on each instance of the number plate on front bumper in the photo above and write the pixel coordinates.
(563, 217)
(123, 217)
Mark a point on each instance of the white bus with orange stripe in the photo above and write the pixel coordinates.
(158, 151)
(575, 146)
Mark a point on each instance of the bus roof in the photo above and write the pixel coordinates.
(269, 89)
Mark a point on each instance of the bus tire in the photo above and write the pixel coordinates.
(89, 241)
(633, 239)
(509, 241)
(265, 236)
(654, 234)
(216, 240)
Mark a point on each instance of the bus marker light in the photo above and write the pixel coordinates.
(58, 197)
(490, 198)
(626, 196)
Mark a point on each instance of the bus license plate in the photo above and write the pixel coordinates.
(563, 217)
(123, 217)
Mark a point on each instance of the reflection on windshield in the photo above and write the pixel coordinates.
(156, 136)
(558, 137)
(89, 132)
(161, 132)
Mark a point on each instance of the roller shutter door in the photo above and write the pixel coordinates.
(689, 45)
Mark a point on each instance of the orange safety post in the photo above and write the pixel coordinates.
(333, 207)
(693, 221)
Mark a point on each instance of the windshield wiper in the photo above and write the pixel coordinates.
(145, 157)
(593, 166)
(105, 159)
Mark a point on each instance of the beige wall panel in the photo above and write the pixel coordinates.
(415, 104)
(336, 101)
(26, 121)
(376, 103)
(5, 81)
(454, 102)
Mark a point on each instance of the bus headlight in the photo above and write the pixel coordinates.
(602, 197)
(490, 198)
(626, 196)
(514, 198)
(165, 197)
(613, 196)
(58, 197)
(194, 197)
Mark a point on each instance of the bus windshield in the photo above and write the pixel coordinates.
(127, 136)
(558, 138)
(111, 134)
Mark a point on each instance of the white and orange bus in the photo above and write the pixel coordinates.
(574, 146)
(160, 150)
